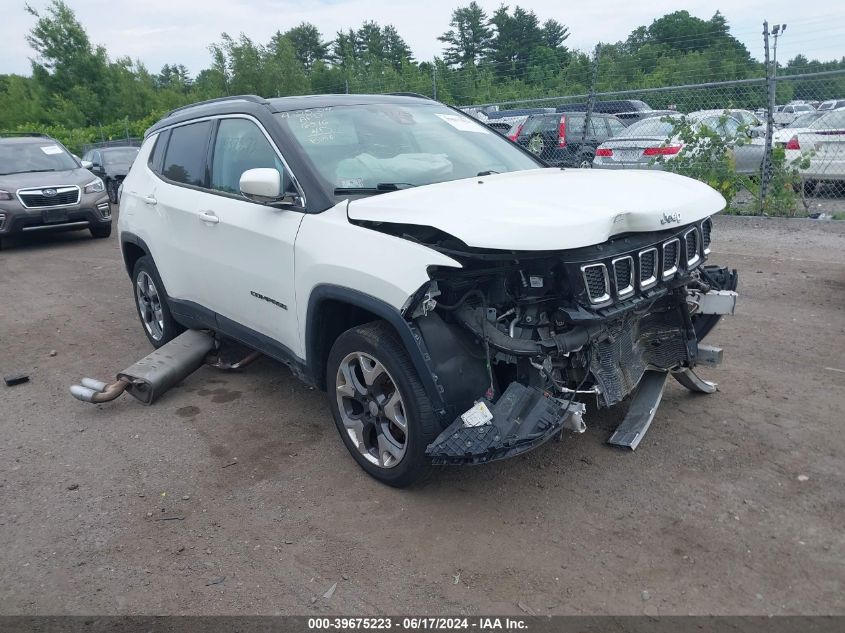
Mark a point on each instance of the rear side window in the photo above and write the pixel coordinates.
(616, 126)
(157, 154)
(186, 154)
(531, 125)
(240, 145)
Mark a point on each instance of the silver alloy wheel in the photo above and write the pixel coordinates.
(586, 163)
(149, 305)
(371, 409)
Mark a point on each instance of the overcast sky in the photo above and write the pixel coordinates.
(179, 31)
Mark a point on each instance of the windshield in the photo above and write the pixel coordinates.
(26, 157)
(653, 126)
(831, 120)
(122, 155)
(371, 148)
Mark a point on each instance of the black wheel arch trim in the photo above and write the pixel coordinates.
(130, 238)
(408, 334)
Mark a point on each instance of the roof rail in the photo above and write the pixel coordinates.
(24, 134)
(409, 94)
(251, 98)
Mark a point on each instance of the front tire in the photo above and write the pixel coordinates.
(379, 405)
(151, 303)
(101, 232)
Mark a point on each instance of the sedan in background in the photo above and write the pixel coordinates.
(801, 123)
(819, 151)
(642, 143)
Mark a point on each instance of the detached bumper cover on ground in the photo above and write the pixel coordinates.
(523, 418)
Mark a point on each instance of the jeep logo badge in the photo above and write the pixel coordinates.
(48, 193)
(671, 218)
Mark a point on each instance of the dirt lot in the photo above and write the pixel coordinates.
(734, 503)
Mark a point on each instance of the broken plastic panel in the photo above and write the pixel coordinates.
(523, 418)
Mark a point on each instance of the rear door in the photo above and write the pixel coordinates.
(180, 258)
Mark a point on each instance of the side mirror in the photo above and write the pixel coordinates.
(264, 186)
(86, 164)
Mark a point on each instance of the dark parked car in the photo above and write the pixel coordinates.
(607, 107)
(111, 164)
(557, 138)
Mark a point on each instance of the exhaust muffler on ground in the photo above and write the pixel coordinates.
(154, 374)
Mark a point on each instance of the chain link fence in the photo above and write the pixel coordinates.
(771, 144)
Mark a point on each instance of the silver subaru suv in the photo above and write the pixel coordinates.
(45, 187)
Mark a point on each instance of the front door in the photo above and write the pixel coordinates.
(249, 275)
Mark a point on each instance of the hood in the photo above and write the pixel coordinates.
(546, 209)
(25, 180)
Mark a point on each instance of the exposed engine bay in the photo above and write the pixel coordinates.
(573, 326)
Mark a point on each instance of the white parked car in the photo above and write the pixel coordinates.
(822, 146)
(831, 104)
(456, 299)
(781, 136)
(647, 143)
(784, 115)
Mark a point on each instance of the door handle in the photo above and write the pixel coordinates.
(150, 199)
(208, 217)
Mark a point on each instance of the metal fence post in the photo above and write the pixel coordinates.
(766, 174)
(591, 97)
(434, 79)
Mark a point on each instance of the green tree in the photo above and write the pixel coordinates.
(469, 40)
(308, 44)
(68, 67)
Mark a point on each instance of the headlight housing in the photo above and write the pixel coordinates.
(95, 186)
(5, 195)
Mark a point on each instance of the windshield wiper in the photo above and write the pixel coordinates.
(382, 187)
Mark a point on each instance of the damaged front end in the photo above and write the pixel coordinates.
(518, 341)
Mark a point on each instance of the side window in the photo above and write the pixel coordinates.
(550, 124)
(531, 125)
(615, 126)
(240, 145)
(598, 129)
(158, 151)
(186, 153)
(574, 126)
(96, 158)
(87, 155)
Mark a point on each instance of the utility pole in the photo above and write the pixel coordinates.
(770, 121)
(591, 98)
(771, 91)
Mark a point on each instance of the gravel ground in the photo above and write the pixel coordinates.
(233, 494)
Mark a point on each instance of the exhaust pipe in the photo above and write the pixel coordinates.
(96, 391)
(154, 374)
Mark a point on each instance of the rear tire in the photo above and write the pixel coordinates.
(151, 303)
(111, 188)
(379, 405)
(101, 232)
(585, 161)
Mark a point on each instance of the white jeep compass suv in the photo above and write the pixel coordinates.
(458, 299)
